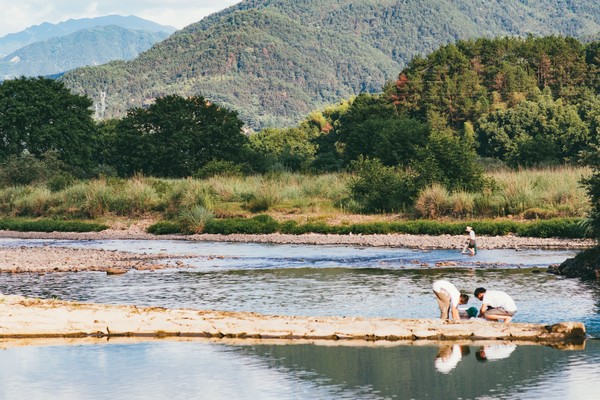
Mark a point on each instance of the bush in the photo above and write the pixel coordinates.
(195, 219)
(22, 170)
(60, 181)
(378, 188)
(433, 202)
(267, 195)
(462, 204)
(219, 168)
(49, 225)
(538, 213)
(165, 228)
(256, 225)
(558, 227)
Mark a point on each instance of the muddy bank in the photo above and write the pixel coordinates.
(34, 318)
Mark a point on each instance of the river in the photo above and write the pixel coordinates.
(307, 280)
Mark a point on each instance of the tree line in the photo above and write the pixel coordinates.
(514, 102)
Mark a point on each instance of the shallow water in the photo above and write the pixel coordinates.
(306, 280)
(201, 370)
(316, 280)
(223, 255)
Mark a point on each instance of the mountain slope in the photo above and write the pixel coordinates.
(39, 33)
(275, 60)
(92, 46)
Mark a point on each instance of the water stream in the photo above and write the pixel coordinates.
(306, 280)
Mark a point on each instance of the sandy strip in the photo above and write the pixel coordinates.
(29, 318)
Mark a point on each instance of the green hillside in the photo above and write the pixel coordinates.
(275, 60)
(91, 46)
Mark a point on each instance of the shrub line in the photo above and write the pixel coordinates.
(265, 224)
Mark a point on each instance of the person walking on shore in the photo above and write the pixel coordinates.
(448, 298)
(497, 305)
(471, 244)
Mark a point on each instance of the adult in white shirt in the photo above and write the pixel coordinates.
(449, 298)
(497, 305)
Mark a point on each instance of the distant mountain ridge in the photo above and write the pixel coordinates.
(39, 33)
(92, 46)
(276, 60)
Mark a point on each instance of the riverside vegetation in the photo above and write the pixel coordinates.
(534, 202)
(477, 131)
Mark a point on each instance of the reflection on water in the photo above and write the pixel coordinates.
(448, 357)
(177, 370)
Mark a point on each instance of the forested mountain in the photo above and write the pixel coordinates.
(276, 60)
(92, 46)
(45, 31)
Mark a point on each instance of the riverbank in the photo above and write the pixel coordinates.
(34, 318)
(429, 242)
(48, 259)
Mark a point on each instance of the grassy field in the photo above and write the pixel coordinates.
(534, 194)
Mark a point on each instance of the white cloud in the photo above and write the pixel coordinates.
(16, 16)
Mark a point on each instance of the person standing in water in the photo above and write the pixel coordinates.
(471, 245)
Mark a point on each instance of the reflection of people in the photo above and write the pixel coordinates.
(471, 245)
(449, 356)
(449, 298)
(495, 352)
(497, 305)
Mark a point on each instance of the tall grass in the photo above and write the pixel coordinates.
(195, 219)
(555, 189)
(433, 202)
(533, 193)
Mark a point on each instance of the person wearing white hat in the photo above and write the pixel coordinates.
(471, 245)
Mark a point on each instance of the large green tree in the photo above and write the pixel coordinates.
(176, 136)
(291, 147)
(542, 131)
(371, 128)
(39, 115)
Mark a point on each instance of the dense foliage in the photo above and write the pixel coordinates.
(175, 137)
(39, 115)
(531, 101)
(276, 60)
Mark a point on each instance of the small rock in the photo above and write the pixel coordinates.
(116, 271)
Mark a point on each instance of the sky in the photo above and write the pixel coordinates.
(16, 16)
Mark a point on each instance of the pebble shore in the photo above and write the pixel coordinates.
(65, 259)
